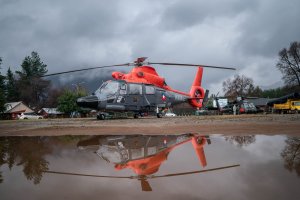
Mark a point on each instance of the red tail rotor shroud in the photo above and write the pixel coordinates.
(197, 92)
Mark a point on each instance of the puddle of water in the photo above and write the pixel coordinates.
(186, 166)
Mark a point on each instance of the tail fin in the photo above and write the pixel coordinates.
(198, 77)
(197, 92)
(198, 143)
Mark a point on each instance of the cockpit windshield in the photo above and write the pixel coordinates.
(108, 88)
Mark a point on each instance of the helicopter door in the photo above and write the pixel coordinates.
(150, 99)
(122, 93)
(135, 99)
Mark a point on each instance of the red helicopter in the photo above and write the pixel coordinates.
(140, 91)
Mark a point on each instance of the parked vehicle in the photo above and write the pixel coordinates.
(30, 116)
(169, 114)
(247, 107)
(292, 106)
(226, 110)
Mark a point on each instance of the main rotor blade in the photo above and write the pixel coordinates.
(85, 69)
(191, 65)
(89, 175)
(194, 172)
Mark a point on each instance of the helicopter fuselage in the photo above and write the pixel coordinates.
(121, 96)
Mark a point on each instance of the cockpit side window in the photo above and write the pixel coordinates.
(109, 88)
(135, 89)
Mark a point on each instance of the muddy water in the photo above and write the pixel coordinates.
(187, 166)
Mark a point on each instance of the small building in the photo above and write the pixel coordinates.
(51, 113)
(13, 109)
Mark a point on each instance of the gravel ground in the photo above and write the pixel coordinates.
(225, 124)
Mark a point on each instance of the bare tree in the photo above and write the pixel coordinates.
(291, 154)
(240, 86)
(289, 64)
(53, 95)
(241, 141)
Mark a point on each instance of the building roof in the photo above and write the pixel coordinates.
(259, 101)
(15, 107)
(295, 95)
(51, 111)
(11, 105)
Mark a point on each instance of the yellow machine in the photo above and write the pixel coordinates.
(290, 106)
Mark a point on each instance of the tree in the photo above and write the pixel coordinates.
(53, 94)
(33, 89)
(280, 91)
(254, 91)
(67, 101)
(32, 66)
(291, 154)
(12, 93)
(289, 64)
(29, 152)
(241, 141)
(240, 86)
(2, 91)
(274, 93)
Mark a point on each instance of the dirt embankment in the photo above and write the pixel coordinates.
(226, 124)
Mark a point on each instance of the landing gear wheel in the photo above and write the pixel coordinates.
(159, 115)
(101, 117)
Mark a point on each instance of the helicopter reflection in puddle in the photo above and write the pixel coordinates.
(143, 154)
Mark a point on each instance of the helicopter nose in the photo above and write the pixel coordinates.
(88, 102)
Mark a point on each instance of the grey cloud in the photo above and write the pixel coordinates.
(269, 28)
(55, 29)
(184, 14)
(70, 35)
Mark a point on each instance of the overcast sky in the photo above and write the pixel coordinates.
(74, 34)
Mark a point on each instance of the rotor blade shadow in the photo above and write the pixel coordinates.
(86, 175)
(194, 172)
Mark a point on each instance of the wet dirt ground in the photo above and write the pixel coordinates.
(225, 124)
(184, 166)
(190, 157)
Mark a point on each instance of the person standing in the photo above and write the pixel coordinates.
(234, 109)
